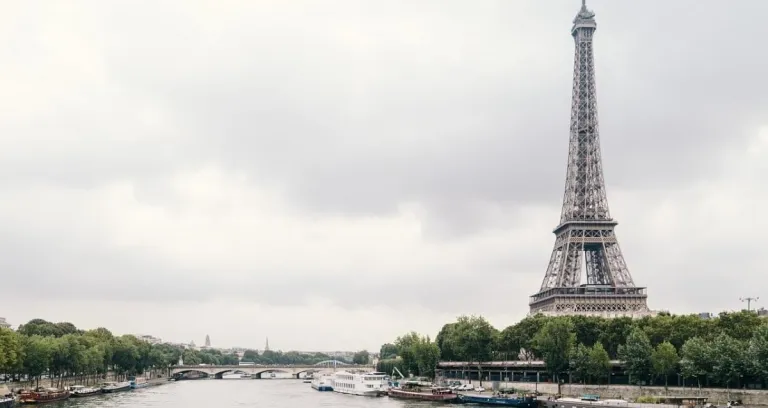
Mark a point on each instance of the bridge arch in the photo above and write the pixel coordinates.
(308, 371)
(191, 370)
(218, 374)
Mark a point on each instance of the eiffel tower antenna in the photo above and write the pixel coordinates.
(586, 230)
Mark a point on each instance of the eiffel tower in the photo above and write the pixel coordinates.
(585, 236)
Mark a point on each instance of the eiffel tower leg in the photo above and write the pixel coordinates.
(598, 270)
(570, 276)
(617, 266)
(555, 265)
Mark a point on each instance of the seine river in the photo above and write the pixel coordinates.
(233, 393)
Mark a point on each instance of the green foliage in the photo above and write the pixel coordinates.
(648, 347)
(665, 360)
(388, 365)
(730, 361)
(579, 363)
(417, 355)
(38, 355)
(471, 338)
(427, 356)
(647, 399)
(599, 362)
(11, 351)
(757, 352)
(47, 329)
(447, 353)
(636, 354)
(361, 357)
(555, 341)
(210, 357)
(615, 333)
(406, 351)
(738, 325)
(517, 341)
(697, 358)
(278, 357)
(587, 329)
(61, 349)
(388, 351)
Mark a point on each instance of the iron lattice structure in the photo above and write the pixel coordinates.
(585, 235)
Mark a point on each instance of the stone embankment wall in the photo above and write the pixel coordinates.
(67, 381)
(630, 392)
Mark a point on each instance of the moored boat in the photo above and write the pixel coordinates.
(323, 382)
(111, 387)
(43, 395)
(594, 401)
(80, 391)
(139, 382)
(500, 400)
(423, 392)
(366, 384)
(6, 397)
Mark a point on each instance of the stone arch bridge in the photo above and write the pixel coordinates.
(217, 371)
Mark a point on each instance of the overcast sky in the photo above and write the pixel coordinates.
(333, 174)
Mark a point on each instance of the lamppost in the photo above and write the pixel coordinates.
(749, 301)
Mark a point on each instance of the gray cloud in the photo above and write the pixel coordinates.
(350, 112)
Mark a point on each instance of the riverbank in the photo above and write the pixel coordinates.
(631, 392)
(152, 378)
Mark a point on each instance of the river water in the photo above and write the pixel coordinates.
(234, 393)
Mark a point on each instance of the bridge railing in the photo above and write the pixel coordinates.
(271, 365)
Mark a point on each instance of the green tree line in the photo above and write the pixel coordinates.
(291, 357)
(60, 350)
(728, 350)
(42, 349)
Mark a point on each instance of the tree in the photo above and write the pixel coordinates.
(636, 354)
(126, 355)
(427, 356)
(757, 352)
(38, 353)
(443, 343)
(517, 340)
(615, 333)
(361, 357)
(587, 329)
(387, 351)
(579, 363)
(555, 341)
(730, 362)
(471, 338)
(739, 325)
(419, 355)
(697, 359)
(405, 349)
(599, 362)
(665, 360)
(388, 366)
(11, 351)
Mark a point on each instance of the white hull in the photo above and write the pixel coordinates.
(367, 385)
(361, 393)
